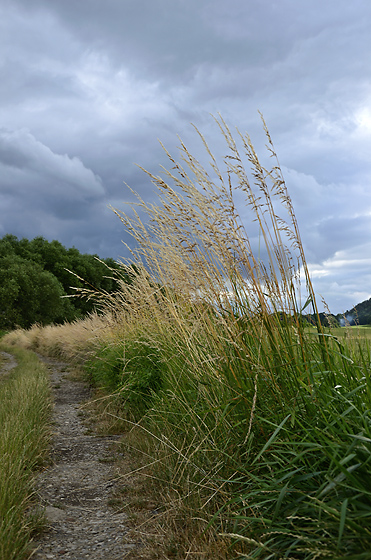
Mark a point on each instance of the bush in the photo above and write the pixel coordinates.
(29, 294)
(134, 371)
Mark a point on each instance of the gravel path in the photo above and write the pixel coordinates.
(75, 489)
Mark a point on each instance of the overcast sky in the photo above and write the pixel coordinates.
(89, 86)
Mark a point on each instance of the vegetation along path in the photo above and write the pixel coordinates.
(76, 488)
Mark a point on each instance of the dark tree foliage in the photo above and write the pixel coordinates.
(326, 319)
(35, 274)
(30, 294)
(359, 315)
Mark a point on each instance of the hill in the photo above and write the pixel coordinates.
(359, 315)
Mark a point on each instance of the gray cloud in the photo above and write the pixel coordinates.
(57, 174)
(89, 86)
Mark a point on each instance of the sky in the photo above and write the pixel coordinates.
(88, 88)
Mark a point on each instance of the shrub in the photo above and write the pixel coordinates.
(133, 370)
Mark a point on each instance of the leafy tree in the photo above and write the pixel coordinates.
(29, 294)
(71, 268)
(326, 319)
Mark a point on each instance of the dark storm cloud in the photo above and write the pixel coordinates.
(87, 88)
(41, 191)
(58, 175)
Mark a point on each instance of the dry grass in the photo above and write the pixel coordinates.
(70, 341)
(158, 521)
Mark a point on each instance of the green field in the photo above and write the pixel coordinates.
(359, 331)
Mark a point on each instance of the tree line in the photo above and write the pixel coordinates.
(36, 274)
(360, 314)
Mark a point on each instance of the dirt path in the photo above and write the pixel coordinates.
(75, 489)
(10, 363)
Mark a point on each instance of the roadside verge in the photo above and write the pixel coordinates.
(25, 407)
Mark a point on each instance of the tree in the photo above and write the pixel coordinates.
(29, 294)
(88, 271)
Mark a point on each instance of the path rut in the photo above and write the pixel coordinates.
(75, 490)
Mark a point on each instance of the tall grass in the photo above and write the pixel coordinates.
(24, 435)
(265, 423)
(72, 342)
(260, 424)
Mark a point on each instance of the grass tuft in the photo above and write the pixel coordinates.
(25, 407)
